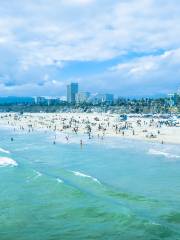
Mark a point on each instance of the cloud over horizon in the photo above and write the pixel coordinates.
(130, 48)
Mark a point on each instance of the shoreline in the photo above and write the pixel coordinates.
(95, 125)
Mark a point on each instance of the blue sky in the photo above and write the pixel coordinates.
(126, 47)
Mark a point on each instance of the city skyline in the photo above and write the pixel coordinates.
(129, 48)
(72, 91)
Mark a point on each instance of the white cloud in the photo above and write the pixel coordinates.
(148, 75)
(142, 66)
(77, 2)
(102, 31)
(39, 34)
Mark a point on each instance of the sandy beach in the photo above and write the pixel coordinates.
(97, 125)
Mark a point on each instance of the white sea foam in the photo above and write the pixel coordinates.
(154, 223)
(165, 154)
(2, 150)
(38, 174)
(59, 180)
(79, 174)
(5, 161)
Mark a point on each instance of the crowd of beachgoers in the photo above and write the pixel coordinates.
(98, 125)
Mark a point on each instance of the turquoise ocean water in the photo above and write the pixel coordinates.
(109, 189)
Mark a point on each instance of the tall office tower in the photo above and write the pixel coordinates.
(72, 90)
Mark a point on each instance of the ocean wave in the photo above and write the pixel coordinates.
(79, 174)
(4, 162)
(2, 150)
(165, 154)
(38, 174)
(59, 180)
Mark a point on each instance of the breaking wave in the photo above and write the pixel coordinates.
(79, 174)
(4, 151)
(59, 180)
(5, 161)
(165, 154)
(38, 174)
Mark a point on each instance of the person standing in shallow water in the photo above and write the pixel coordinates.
(81, 143)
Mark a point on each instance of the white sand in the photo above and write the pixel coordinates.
(101, 125)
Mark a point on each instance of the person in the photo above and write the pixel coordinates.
(12, 139)
(89, 135)
(81, 143)
(116, 128)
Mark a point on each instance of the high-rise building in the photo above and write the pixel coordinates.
(72, 90)
(41, 100)
(82, 97)
(53, 101)
(101, 98)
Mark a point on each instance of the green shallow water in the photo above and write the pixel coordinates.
(111, 189)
